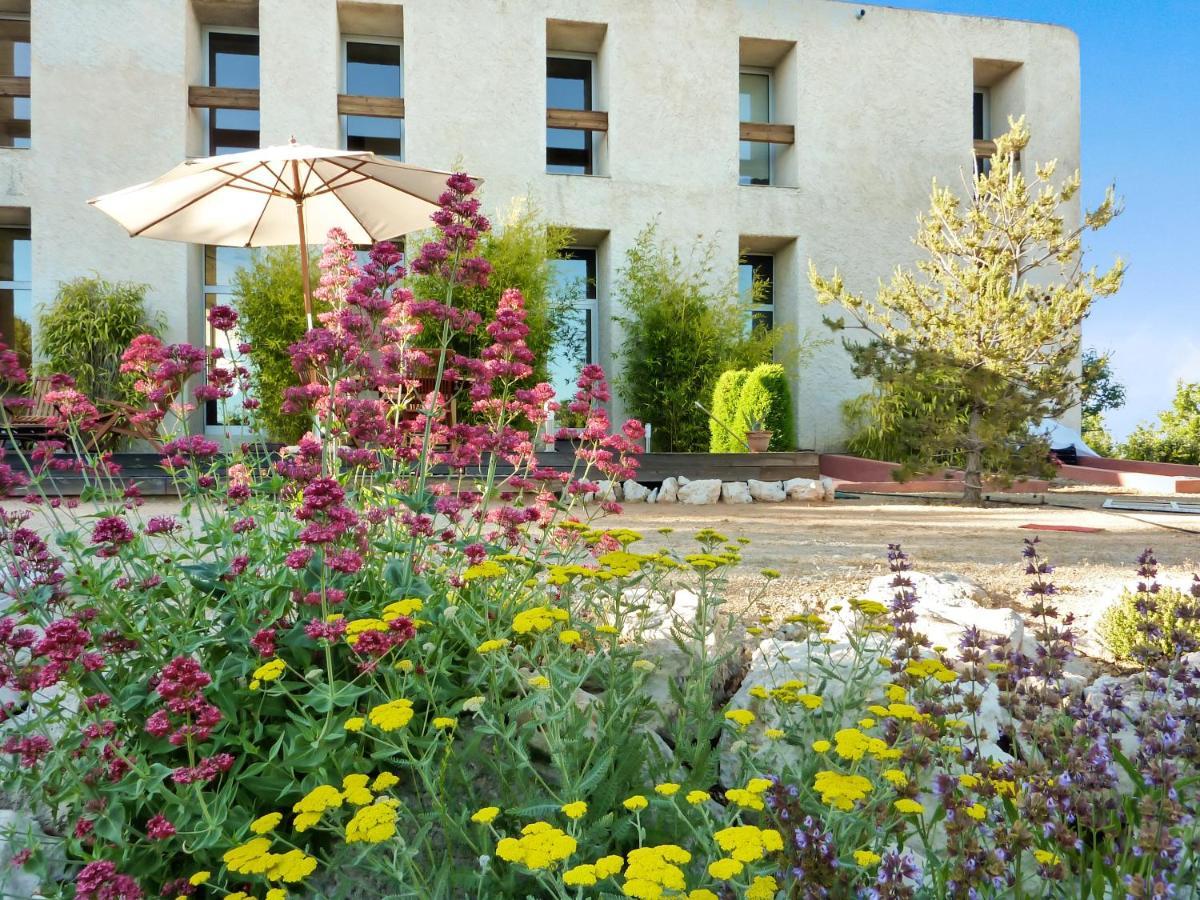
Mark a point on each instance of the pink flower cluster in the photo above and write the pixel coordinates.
(187, 717)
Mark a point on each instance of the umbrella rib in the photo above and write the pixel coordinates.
(263, 212)
(347, 171)
(331, 190)
(258, 187)
(177, 210)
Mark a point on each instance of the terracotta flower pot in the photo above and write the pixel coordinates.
(759, 440)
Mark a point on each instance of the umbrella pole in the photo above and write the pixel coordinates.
(299, 198)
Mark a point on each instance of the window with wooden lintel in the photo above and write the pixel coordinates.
(232, 99)
(372, 107)
(570, 117)
(14, 80)
(766, 94)
(16, 283)
(756, 287)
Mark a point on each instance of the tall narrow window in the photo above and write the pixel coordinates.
(756, 284)
(569, 86)
(233, 63)
(15, 68)
(221, 264)
(374, 69)
(576, 322)
(16, 295)
(754, 101)
(980, 114)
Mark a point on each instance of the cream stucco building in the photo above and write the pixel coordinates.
(851, 111)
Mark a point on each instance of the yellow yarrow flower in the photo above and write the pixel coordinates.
(200, 878)
(977, 811)
(354, 790)
(743, 797)
(580, 876)
(636, 802)
(405, 607)
(841, 791)
(319, 799)
(695, 798)
(354, 723)
(724, 869)
(276, 894)
(574, 810)
(540, 618)
(393, 715)
(489, 568)
(538, 681)
(384, 780)
(895, 777)
(492, 645)
(702, 894)
(1046, 858)
(758, 785)
(250, 858)
(764, 887)
(740, 717)
(372, 824)
(653, 871)
(485, 815)
(822, 746)
(906, 805)
(540, 846)
(607, 629)
(866, 858)
(266, 824)
(570, 636)
(748, 843)
(774, 734)
(667, 788)
(444, 722)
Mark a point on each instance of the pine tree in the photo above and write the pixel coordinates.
(994, 308)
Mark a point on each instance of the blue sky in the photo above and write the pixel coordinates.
(1141, 130)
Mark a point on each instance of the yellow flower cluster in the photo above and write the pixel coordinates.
(764, 887)
(359, 627)
(489, 568)
(540, 846)
(750, 796)
(867, 858)
(868, 607)
(540, 618)
(268, 671)
(574, 810)
(407, 607)
(393, 715)
(904, 711)
(652, 871)
(740, 717)
(492, 645)
(852, 744)
(255, 858)
(266, 824)
(841, 791)
(931, 668)
(373, 824)
(587, 874)
(747, 843)
(635, 803)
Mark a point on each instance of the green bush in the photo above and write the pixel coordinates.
(766, 399)
(269, 297)
(1120, 625)
(87, 327)
(725, 410)
(683, 326)
(1175, 438)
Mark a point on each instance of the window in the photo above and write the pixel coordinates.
(374, 69)
(14, 65)
(575, 329)
(16, 294)
(756, 285)
(232, 63)
(220, 266)
(754, 101)
(980, 119)
(569, 86)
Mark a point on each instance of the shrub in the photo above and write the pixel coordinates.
(1175, 438)
(766, 398)
(269, 297)
(1131, 622)
(682, 327)
(87, 327)
(725, 410)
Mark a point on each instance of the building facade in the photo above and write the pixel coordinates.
(782, 131)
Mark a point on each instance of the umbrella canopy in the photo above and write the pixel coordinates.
(287, 195)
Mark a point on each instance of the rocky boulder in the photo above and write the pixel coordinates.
(766, 491)
(804, 489)
(735, 492)
(634, 492)
(668, 492)
(697, 493)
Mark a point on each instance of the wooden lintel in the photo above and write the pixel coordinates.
(204, 97)
(767, 133)
(578, 119)
(360, 105)
(14, 86)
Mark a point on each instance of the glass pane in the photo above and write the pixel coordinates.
(572, 350)
(233, 60)
(979, 126)
(754, 97)
(576, 275)
(568, 151)
(381, 135)
(568, 83)
(373, 70)
(220, 264)
(754, 160)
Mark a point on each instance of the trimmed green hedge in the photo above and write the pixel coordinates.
(726, 394)
(767, 398)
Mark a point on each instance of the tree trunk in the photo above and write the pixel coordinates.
(973, 473)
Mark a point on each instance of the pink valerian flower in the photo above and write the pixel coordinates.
(181, 685)
(375, 644)
(160, 828)
(63, 642)
(320, 630)
(10, 479)
(206, 770)
(110, 534)
(100, 880)
(161, 373)
(31, 750)
(264, 642)
(181, 452)
(83, 828)
(10, 366)
(339, 270)
(222, 318)
(20, 858)
(72, 409)
(162, 525)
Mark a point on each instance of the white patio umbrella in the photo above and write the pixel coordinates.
(279, 196)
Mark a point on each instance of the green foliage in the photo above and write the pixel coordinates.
(522, 252)
(87, 327)
(765, 404)
(725, 410)
(994, 307)
(269, 297)
(1100, 391)
(1176, 436)
(1096, 435)
(1123, 626)
(683, 326)
(21, 342)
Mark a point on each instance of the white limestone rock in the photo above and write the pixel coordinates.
(766, 491)
(804, 489)
(652, 497)
(19, 830)
(735, 492)
(634, 492)
(610, 492)
(830, 487)
(698, 493)
(669, 491)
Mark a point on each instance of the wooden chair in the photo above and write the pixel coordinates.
(38, 422)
